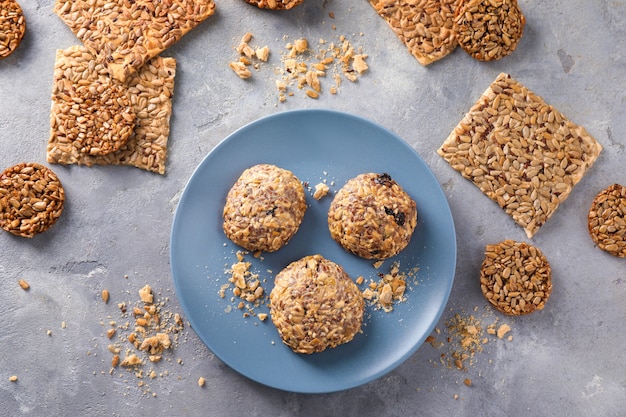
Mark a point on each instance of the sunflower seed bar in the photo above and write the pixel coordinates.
(149, 92)
(125, 34)
(424, 26)
(521, 152)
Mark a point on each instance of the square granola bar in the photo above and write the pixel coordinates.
(520, 151)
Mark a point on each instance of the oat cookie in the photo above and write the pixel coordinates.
(489, 30)
(275, 4)
(264, 208)
(372, 216)
(315, 305)
(126, 34)
(424, 26)
(148, 92)
(31, 199)
(607, 220)
(515, 277)
(12, 27)
(521, 152)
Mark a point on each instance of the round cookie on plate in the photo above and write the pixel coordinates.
(275, 4)
(264, 208)
(12, 27)
(607, 220)
(489, 30)
(315, 305)
(31, 199)
(515, 277)
(372, 216)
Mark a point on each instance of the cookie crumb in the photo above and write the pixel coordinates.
(503, 330)
(25, 285)
(321, 190)
(201, 381)
(146, 294)
(13, 378)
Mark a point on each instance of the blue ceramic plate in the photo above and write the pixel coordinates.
(315, 145)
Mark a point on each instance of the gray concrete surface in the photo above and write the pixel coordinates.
(567, 360)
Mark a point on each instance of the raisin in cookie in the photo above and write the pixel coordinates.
(315, 305)
(372, 216)
(264, 208)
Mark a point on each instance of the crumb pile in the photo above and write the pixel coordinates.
(147, 334)
(303, 66)
(464, 338)
(389, 289)
(245, 286)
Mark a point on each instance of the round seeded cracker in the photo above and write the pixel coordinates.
(12, 27)
(97, 117)
(607, 220)
(515, 277)
(275, 4)
(31, 199)
(489, 30)
(315, 305)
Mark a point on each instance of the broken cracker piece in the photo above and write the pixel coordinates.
(425, 27)
(124, 34)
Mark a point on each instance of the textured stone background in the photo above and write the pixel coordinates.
(114, 234)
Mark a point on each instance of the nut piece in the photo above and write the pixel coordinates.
(146, 294)
(31, 199)
(515, 278)
(240, 69)
(315, 305)
(24, 285)
(521, 152)
(321, 190)
(12, 27)
(105, 296)
(607, 220)
(489, 29)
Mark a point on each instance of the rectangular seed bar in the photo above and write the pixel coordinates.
(150, 91)
(125, 34)
(424, 26)
(520, 151)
